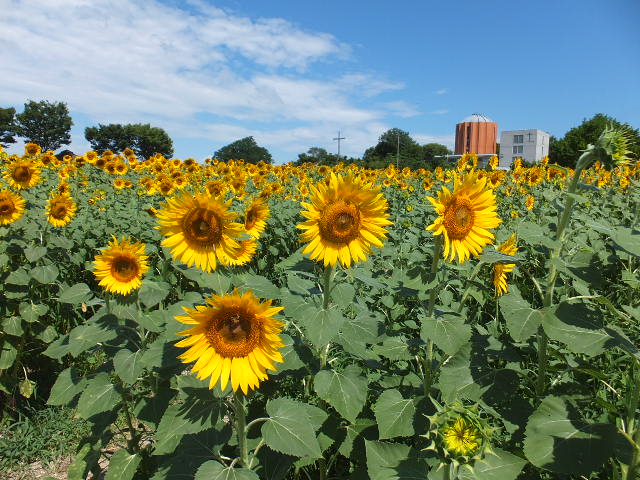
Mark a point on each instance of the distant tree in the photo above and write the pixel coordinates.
(143, 139)
(245, 148)
(319, 156)
(432, 150)
(566, 151)
(47, 124)
(397, 146)
(7, 126)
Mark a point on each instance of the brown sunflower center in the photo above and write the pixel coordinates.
(250, 219)
(234, 332)
(124, 268)
(459, 218)
(59, 210)
(22, 174)
(340, 222)
(6, 207)
(202, 227)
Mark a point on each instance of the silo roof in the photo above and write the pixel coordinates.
(477, 117)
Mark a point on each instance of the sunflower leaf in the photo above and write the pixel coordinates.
(345, 391)
(447, 330)
(213, 470)
(289, 429)
(495, 465)
(99, 396)
(122, 466)
(394, 415)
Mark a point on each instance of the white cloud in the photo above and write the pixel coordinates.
(441, 91)
(120, 61)
(439, 112)
(447, 140)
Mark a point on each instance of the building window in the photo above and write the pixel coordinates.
(518, 139)
(517, 148)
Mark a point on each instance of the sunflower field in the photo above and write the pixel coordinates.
(250, 321)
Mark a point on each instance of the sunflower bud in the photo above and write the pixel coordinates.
(612, 148)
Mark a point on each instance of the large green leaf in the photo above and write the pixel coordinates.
(12, 326)
(127, 365)
(628, 240)
(496, 465)
(447, 330)
(213, 470)
(99, 396)
(88, 335)
(32, 311)
(578, 325)
(45, 273)
(322, 327)
(8, 353)
(560, 440)
(68, 385)
(152, 293)
(522, 320)
(342, 294)
(346, 391)
(75, 294)
(289, 429)
(34, 253)
(394, 461)
(394, 415)
(122, 465)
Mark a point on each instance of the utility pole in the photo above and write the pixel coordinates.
(338, 138)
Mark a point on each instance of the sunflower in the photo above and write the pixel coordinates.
(60, 209)
(245, 253)
(11, 207)
(232, 336)
(461, 438)
(530, 202)
(254, 218)
(500, 270)
(200, 230)
(465, 216)
(118, 183)
(32, 149)
(344, 218)
(22, 174)
(120, 266)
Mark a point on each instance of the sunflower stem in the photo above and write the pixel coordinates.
(467, 289)
(326, 286)
(428, 360)
(241, 428)
(584, 161)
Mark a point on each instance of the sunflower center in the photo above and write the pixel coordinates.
(6, 207)
(340, 222)
(233, 333)
(202, 227)
(250, 219)
(22, 174)
(459, 218)
(59, 210)
(124, 269)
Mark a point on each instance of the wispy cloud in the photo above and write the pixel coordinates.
(447, 140)
(441, 91)
(439, 112)
(119, 61)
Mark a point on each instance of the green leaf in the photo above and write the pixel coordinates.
(345, 391)
(152, 293)
(8, 354)
(363, 427)
(122, 466)
(26, 388)
(522, 320)
(48, 334)
(88, 335)
(32, 311)
(18, 277)
(628, 240)
(394, 461)
(68, 385)
(34, 253)
(99, 396)
(579, 326)
(289, 429)
(493, 256)
(323, 326)
(394, 415)
(127, 365)
(75, 294)
(259, 285)
(558, 439)
(447, 331)
(393, 348)
(193, 416)
(213, 470)
(496, 465)
(12, 326)
(45, 273)
(342, 294)
(216, 281)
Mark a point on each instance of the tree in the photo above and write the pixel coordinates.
(245, 148)
(566, 151)
(47, 124)
(144, 140)
(319, 156)
(7, 126)
(432, 150)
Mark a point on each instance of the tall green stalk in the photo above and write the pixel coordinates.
(241, 427)
(428, 358)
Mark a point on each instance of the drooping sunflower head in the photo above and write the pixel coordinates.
(344, 218)
(60, 209)
(120, 266)
(11, 207)
(22, 174)
(500, 270)
(233, 336)
(255, 217)
(199, 229)
(465, 217)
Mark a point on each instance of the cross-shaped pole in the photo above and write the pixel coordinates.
(338, 138)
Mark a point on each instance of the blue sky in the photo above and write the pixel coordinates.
(293, 73)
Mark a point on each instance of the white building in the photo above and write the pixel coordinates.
(530, 145)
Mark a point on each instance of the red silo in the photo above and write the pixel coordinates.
(476, 134)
